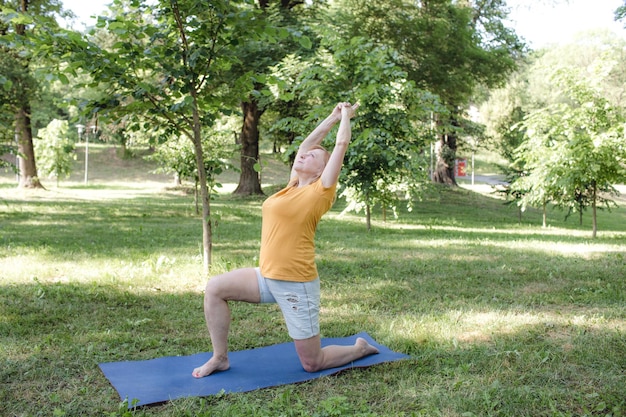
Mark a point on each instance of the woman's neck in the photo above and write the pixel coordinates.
(304, 181)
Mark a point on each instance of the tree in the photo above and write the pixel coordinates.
(575, 150)
(20, 25)
(176, 155)
(257, 58)
(597, 57)
(54, 150)
(383, 163)
(503, 109)
(534, 185)
(291, 106)
(599, 51)
(169, 68)
(446, 47)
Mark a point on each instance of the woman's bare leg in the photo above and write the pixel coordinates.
(237, 285)
(315, 358)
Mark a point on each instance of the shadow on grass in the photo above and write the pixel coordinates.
(168, 221)
(122, 227)
(54, 336)
(499, 321)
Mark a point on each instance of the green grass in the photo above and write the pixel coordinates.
(500, 318)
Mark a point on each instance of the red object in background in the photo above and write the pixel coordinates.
(460, 167)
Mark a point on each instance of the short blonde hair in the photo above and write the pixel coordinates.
(294, 181)
(326, 153)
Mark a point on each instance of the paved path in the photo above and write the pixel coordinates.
(482, 179)
(487, 183)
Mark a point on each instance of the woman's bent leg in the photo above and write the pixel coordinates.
(315, 358)
(237, 285)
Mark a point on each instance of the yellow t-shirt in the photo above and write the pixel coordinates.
(290, 218)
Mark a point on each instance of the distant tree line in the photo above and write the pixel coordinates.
(227, 76)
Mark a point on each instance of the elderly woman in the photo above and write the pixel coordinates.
(287, 273)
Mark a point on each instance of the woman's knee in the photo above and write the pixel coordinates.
(238, 285)
(311, 360)
(310, 354)
(311, 364)
(215, 287)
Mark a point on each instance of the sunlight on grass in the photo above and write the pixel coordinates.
(496, 316)
(563, 248)
(525, 230)
(468, 327)
(160, 273)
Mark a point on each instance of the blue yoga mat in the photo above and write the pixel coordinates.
(164, 379)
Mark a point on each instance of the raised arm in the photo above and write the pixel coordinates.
(319, 133)
(344, 134)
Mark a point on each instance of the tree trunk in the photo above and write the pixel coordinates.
(207, 234)
(445, 152)
(545, 215)
(23, 129)
(249, 180)
(580, 216)
(196, 196)
(368, 217)
(594, 219)
(27, 165)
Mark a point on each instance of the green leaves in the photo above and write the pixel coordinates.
(305, 42)
(13, 17)
(6, 83)
(54, 149)
(381, 165)
(574, 150)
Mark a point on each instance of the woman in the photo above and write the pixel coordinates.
(287, 273)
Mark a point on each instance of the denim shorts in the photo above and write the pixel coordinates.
(299, 302)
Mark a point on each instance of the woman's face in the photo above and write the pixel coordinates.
(311, 162)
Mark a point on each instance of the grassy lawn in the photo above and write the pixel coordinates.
(500, 318)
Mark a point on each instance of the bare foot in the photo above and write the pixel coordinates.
(366, 348)
(212, 365)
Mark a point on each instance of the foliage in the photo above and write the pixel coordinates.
(15, 81)
(291, 82)
(445, 47)
(177, 156)
(432, 45)
(598, 55)
(597, 58)
(531, 88)
(504, 109)
(22, 69)
(54, 150)
(4, 163)
(575, 150)
(384, 162)
(182, 54)
(454, 46)
(158, 86)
